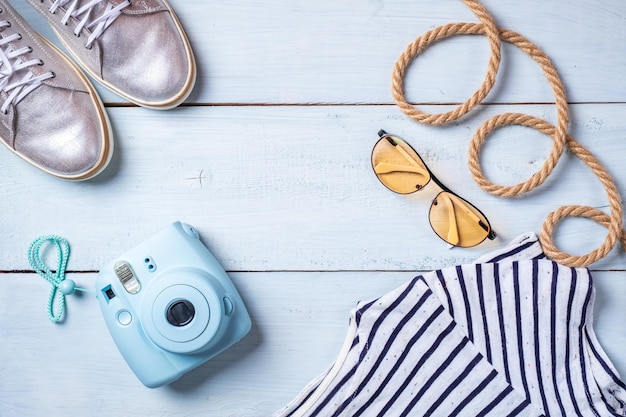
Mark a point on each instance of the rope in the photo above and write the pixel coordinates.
(60, 286)
(558, 133)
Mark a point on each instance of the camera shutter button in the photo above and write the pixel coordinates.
(124, 318)
(228, 306)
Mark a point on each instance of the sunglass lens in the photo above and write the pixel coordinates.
(398, 166)
(458, 222)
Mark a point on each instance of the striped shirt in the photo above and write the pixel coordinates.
(509, 335)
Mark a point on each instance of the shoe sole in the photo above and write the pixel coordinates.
(106, 151)
(161, 105)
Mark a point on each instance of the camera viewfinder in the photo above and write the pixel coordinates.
(109, 293)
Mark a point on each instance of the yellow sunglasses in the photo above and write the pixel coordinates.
(400, 168)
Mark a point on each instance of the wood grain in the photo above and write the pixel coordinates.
(291, 188)
(269, 159)
(343, 52)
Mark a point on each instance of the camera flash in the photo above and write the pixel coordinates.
(127, 277)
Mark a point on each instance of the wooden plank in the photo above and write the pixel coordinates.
(283, 193)
(343, 52)
(299, 323)
(291, 188)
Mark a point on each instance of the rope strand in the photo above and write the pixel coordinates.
(558, 133)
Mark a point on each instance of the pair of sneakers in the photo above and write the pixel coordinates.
(50, 114)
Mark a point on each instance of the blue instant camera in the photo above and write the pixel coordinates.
(170, 306)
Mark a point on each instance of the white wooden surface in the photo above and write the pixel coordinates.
(269, 160)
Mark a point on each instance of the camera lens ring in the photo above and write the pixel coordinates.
(194, 285)
(204, 313)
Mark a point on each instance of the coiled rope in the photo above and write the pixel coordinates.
(558, 133)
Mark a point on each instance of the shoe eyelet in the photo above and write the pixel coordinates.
(40, 63)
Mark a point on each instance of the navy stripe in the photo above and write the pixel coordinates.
(484, 383)
(359, 313)
(302, 402)
(403, 356)
(442, 280)
(513, 252)
(554, 289)
(581, 352)
(335, 390)
(383, 316)
(417, 367)
(605, 366)
(355, 342)
(609, 372)
(568, 320)
(495, 402)
(505, 354)
(390, 342)
(535, 297)
(366, 347)
(435, 375)
(519, 409)
(454, 385)
(468, 311)
(520, 336)
(481, 300)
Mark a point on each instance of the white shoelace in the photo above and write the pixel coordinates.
(97, 24)
(10, 64)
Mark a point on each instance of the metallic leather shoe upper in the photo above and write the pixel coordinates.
(58, 125)
(136, 48)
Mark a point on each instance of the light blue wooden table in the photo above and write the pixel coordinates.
(269, 160)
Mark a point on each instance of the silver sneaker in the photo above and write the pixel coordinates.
(136, 48)
(50, 114)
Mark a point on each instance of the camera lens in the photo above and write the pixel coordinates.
(180, 313)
